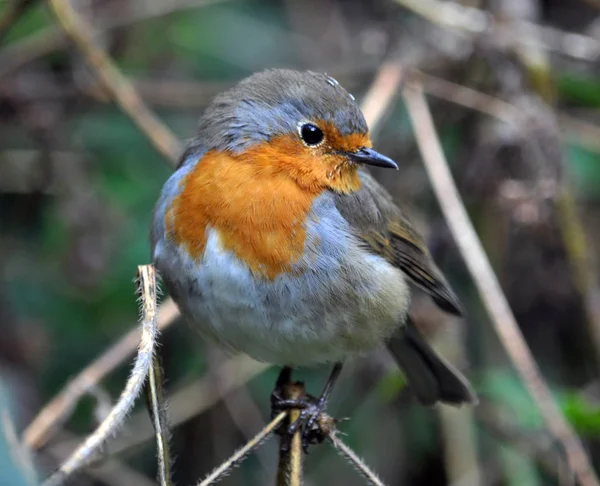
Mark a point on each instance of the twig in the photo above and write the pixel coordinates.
(473, 22)
(240, 405)
(354, 460)
(194, 399)
(468, 97)
(83, 454)
(240, 454)
(115, 83)
(57, 410)
(488, 286)
(110, 471)
(383, 90)
(155, 394)
(289, 468)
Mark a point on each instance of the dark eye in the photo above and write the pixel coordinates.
(311, 134)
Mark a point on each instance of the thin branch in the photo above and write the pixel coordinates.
(193, 399)
(155, 393)
(84, 453)
(110, 471)
(468, 97)
(488, 286)
(240, 454)
(241, 407)
(354, 460)
(383, 90)
(115, 83)
(61, 406)
(473, 22)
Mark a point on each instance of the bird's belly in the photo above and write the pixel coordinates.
(337, 302)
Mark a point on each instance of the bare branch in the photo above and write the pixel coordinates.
(110, 471)
(61, 406)
(488, 286)
(155, 393)
(115, 83)
(383, 90)
(354, 460)
(85, 452)
(471, 22)
(240, 454)
(194, 399)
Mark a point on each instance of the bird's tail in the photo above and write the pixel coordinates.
(429, 376)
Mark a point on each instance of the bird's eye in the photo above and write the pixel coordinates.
(311, 134)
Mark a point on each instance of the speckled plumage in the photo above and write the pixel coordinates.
(348, 291)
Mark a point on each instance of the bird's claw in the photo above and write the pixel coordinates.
(313, 422)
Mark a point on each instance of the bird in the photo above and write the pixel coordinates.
(274, 240)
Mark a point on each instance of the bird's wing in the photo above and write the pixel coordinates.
(381, 225)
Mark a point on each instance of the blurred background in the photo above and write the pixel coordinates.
(515, 94)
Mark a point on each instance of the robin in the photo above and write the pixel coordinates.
(274, 240)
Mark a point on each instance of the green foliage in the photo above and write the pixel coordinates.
(584, 416)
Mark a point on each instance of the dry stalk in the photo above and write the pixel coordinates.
(193, 400)
(471, 22)
(240, 454)
(59, 408)
(85, 452)
(155, 394)
(355, 461)
(110, 471)
(115, 83)
(488, 286)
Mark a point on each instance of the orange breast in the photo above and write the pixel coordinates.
(258, 202)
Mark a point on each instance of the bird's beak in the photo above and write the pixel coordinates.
(371, 157)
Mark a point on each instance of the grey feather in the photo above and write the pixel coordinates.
(386, 231)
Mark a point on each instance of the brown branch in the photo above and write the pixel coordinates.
(289, 468)
(381, 94)
(92, 444)
(60, 407)
(488, 286)
(115, 83)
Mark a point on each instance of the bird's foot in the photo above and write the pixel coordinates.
(312, 421)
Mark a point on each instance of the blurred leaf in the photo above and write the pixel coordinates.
(505, 388)
(579, 90)
(35, 18)
(390, 385)
(584, 168)
(584, 416)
